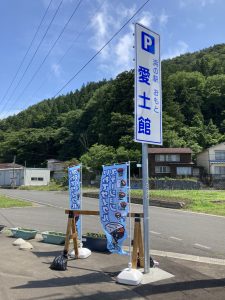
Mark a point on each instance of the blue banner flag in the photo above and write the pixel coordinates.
(74, 192)
(113, 205)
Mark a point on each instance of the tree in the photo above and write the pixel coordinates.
(214, 103)
(97, 156)
(188, 92)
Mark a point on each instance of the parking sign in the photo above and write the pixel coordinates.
(148, 101)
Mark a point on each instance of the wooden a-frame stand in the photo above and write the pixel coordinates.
(71, 233)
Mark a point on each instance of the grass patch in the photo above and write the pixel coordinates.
(197, 200)
(53, 186)
(6, 202)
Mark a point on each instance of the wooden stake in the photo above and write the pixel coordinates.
(138, 251)
(140, 245)
(71, 233)
(74, 236)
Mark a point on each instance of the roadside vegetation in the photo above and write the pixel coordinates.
(53, 186)
(6, 202)
(204, 201)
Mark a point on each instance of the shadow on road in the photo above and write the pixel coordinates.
(151, 289)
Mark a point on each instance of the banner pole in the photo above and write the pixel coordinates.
(81, 200)
(145, 187)
(130, 231)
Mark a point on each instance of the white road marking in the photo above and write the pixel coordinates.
(175, 238)
(188, 257)
(201, 259)
(201, 246)
(155, 232)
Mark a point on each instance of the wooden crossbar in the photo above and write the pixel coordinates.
(96, 213)
(71, 233)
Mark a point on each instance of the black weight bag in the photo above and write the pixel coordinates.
(59, 263)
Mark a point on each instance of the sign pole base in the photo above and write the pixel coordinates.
(130, 276)
(82, 252)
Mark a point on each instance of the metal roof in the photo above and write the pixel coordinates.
(169, 150)
(9, 166)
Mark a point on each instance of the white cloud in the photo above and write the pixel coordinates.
(124, 52)
(146, 19)
(119, 54)
(180, 48)
(124, 12)
(56, 69)
(100, 24)
(202, 3)
(163, 19)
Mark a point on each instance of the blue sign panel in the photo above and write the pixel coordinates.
(74, 193)
(113, 205)
(148, 42)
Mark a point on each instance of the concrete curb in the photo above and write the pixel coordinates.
(153, 202)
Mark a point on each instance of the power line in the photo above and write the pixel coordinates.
(50, 50)
(92, 58)
(31, 44)
(39, 45)
(80, 32)
(67, 50)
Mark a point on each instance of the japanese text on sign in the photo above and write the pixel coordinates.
(113, 205)
(74, 193)
(148, 104)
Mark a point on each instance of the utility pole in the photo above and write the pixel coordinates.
(14, 161)
(25, 172)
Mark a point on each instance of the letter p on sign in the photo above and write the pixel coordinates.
(147, 42)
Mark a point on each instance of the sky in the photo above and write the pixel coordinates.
(44, 43)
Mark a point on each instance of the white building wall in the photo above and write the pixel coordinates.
(35, 176)
(220, 147)
(207, 158)
(203, 160)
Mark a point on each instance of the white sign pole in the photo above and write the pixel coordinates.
(145, 187)
(148, 110)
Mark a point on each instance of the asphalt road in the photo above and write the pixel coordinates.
(170, 230)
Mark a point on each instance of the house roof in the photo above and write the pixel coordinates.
(212, 147)
(169, 150)
(52, 160)
(9, 166)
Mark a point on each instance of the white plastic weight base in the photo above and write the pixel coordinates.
(130, 276)
(82, 253)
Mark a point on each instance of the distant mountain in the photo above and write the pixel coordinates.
(193, 113)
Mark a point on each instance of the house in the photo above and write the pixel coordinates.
(213, 160)
(36, 176)
(171, 162)
(56, 167)
(17, 175)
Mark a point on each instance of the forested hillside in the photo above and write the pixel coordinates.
(102, 112)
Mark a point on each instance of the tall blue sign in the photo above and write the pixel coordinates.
(113, 205)
(74, 193)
